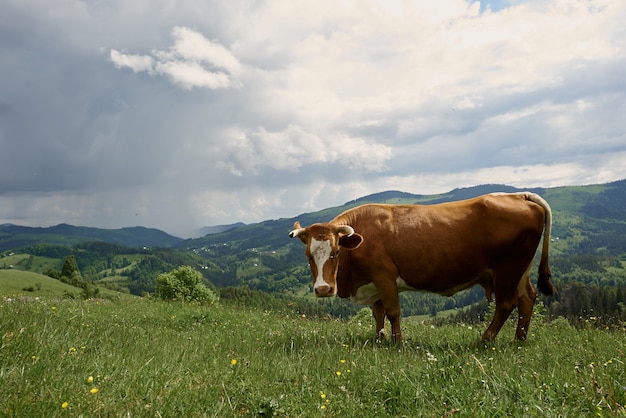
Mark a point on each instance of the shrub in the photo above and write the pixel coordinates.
(364, 316)
(184, 284)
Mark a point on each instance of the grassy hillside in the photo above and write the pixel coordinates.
(28, 262)
(17, 283)
(145, 358)
(14, 283)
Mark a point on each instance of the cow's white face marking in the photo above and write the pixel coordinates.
(320, 252)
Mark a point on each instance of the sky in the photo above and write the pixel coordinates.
(182, 114)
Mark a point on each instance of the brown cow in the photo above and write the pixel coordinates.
(372, 252)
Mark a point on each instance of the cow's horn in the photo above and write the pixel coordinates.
(346, 229)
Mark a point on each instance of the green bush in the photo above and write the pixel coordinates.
(184, 284)
(364, 316)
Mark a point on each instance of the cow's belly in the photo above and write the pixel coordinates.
(368, 294)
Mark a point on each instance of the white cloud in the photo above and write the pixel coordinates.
(189, 74)
(193, 46)
(371, 62)
(137, 63)
(250, 152)
(193, 61)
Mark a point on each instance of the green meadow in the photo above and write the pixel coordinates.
(137, 357)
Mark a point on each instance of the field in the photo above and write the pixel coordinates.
(22, 283)
(139, 357)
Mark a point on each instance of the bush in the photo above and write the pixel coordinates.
(184, 284)
(364, 316)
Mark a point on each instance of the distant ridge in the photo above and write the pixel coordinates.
(470, 192)
(453, 195)
(16, 236)
(217, 229)
(383, 197)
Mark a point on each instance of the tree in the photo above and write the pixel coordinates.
(69, 266)
(70, 273)
(184, 284)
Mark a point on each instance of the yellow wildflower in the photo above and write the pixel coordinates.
(90, 379)
(94, 390)
(64, 405)
(233, 361)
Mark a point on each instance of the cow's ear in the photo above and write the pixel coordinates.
(298, 231)
(350, 242)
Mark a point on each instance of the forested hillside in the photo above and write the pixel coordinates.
(588, 247)
(14, 236)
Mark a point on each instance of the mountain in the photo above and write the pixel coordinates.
(394, 196)
(15, 236)
(216, 229)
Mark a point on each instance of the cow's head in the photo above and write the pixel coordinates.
(323, 243)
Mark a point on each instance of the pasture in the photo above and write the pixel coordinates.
(139, 357)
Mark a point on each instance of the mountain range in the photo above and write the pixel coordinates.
(599, 206)
(15, 236)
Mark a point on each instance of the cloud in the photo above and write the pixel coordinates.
(193, 46)
(191, 74)
(137, 63)
(193, 61)
(291, 149)
(196, 113)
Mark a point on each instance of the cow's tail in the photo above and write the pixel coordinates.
(543, 282)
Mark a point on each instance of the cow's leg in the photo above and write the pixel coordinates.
(394, 319)
(378, 310)
(507, 286)
(504, 307)
(391, 302)
(526, 296)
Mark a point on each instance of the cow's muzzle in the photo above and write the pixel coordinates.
(324, 291)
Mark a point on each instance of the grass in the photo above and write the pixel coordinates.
(18, 283)
(13, 282)
(28, 262)
(139, 357)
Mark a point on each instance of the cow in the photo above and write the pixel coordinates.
(372, 252)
